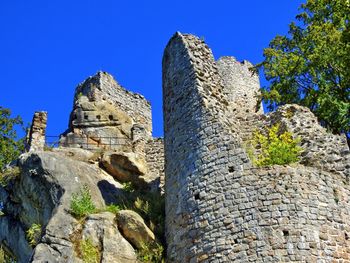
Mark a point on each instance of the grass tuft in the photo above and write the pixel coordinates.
(89, 252)
(81, 203)
(34, 234)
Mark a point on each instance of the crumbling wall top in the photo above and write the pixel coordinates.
(103, 87)
(37, 132)
(241, 86)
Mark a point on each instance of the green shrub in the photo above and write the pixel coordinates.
(5, 257)
(128, 187)
(34, 234)
(274, 148)
(152, 252)
(89, 253)
(81, 203)
(8, 175)
(113, 208)
(2, 255)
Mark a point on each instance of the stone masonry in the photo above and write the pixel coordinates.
(219, 207)
(241, 86)
(105, 115)
(37, 132)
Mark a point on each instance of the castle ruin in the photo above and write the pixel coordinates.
(219, 207)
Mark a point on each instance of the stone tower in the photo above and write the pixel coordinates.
(201, 150)
(219, 208)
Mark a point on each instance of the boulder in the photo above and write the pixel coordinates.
(125, 167)
(103, 232)
(134, 228)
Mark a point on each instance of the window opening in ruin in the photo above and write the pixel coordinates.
(98, 117)
(196, 196)
(86, 117)
(110, 117)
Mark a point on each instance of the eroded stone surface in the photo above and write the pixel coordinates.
(104, 114)
(102, 230)
(42, 194)
(126, 167)
(134, 228)
(37, 132)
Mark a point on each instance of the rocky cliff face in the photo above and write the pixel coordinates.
(41, 194)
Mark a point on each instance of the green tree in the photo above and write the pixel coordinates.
(310, 65)
(10, 146)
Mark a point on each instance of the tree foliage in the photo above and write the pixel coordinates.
(10, 146)
(310, 66)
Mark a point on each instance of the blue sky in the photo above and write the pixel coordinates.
(48, 47)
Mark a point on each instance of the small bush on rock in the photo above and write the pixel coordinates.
(5, 257)
(113, 208)
(34, 234)
(81, 203)
(128, 187)
(274, 148)
(152, 252)
(151, 207)
(8, 175)
(89, 253)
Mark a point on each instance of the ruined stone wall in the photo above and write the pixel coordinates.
(287, 214)
(37, 132)
(103, 87)
(321, 149)
(105, 115)
(221, 209)
(241, 86)
(154, 154)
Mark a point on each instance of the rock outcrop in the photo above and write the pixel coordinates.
(103, 232)
(108, 143)
(42, 194)
(134, 228)
(126, 167)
